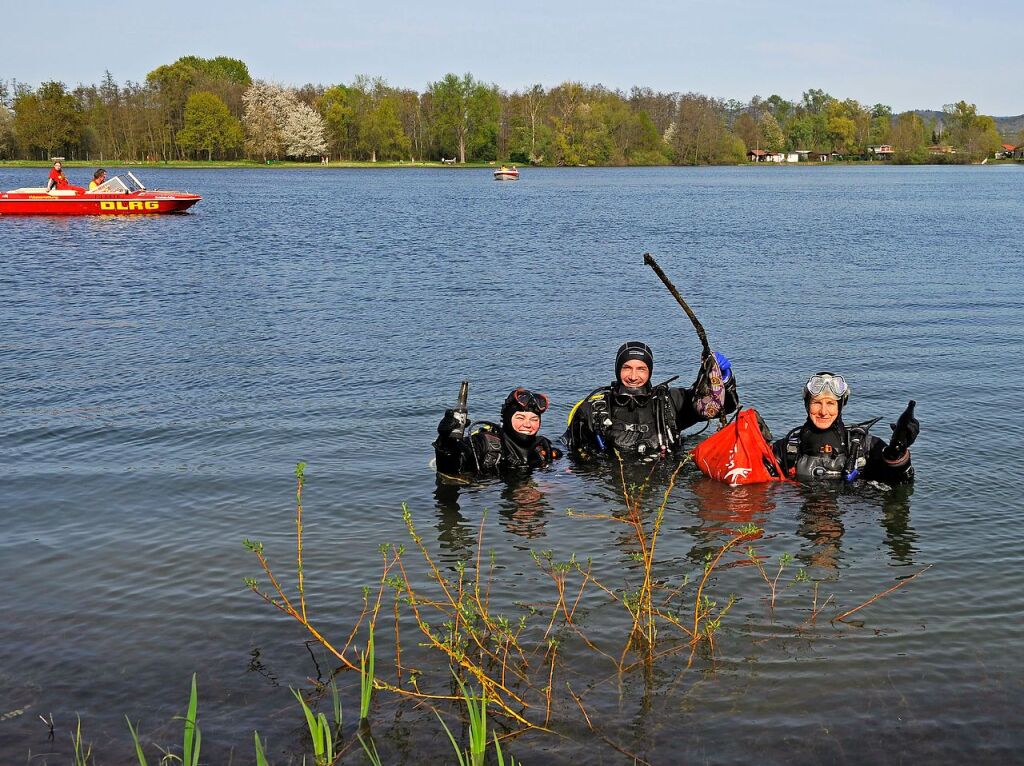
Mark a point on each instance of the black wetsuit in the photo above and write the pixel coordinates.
(488, 449)
(644, 425)
(840, 452)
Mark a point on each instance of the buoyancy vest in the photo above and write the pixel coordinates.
(840, 454)
(492, 450)
(644, 427)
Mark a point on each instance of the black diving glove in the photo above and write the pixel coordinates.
(453, 424)
(904, 433)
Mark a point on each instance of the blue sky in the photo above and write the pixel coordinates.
(906, 54)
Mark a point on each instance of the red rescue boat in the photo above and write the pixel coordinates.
(116, 196)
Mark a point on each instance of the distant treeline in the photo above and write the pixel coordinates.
(200, 108)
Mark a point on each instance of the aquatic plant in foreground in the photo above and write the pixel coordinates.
(514, 661)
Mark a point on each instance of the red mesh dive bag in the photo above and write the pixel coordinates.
(739, 453)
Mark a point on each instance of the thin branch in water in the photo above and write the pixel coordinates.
(874, 598)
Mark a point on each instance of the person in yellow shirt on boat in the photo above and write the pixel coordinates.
(98, 179)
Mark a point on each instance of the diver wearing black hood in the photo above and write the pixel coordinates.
(493, 448)
(641, 421)
(826, 448)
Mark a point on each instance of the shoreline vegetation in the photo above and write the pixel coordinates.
(213, 110)
(398, 164)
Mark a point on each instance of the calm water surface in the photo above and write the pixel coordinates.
(160, 377)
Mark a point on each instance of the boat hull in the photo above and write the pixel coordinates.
(499, 176)
(140, 203)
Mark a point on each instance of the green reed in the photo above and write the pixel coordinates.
(138, 745)
(261, 754)
(366, 663)
(82, 750)
(192, 737)
(474, 756)
(319, 733)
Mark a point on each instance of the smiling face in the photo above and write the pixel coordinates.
(823, 411)
(634, 373)
(527, 423)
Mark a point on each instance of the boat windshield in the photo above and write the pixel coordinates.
(111, 186)
(119, 185)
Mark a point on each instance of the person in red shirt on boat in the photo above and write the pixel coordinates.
(57, 180)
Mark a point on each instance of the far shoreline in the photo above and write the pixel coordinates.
(363, 165)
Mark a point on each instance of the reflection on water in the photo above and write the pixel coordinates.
(521, 507)
(822, 510)
(721, 512)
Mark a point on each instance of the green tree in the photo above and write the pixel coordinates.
(412, 116)
(745, 126)
(700, 135)
(779, 107)
(337, 105)
(172, 84)
(6, 123)
(960, 120)
(983, 139)
(6, 133)
(973, 134)
(771, 134)
(378, 131)
(464, 114)
(800, 133)
(209, 126)
(534, 101)
(849, 126)
(659, 107)
(815, 101)
(367, 120)
(47, 119)
(842, 131)
(589, 126)
(881, 129)
(909, 138)
(383, 133)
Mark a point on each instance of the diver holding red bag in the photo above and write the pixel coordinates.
(824, 448)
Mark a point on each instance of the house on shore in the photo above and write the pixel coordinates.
(1006, 152)
(883, 152)
(760, 155)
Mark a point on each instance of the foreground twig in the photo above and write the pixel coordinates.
(874, 598)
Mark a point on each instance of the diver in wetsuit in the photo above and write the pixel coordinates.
(491, 448)
(826, 448)
(644, 422)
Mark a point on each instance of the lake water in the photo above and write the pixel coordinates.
(161, 376)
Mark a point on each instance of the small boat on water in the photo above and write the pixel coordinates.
(506, 173)
(117, 196)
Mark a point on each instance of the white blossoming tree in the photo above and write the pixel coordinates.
(267, 109)
(304, 132)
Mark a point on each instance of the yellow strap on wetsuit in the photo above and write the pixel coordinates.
(572, 412)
